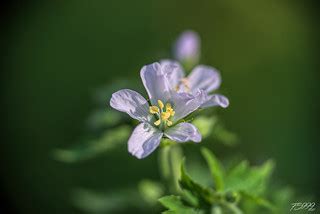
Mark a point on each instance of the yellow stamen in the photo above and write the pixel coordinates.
(160, 104)
(165, 115)
(172, 113)
(154, 109)
(157, 123)
(163, 112)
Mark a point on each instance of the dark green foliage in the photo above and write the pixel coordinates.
(233, 189)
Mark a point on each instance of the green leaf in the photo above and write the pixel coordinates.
(232, 208)
(206, 196)
(176, 205)
(216, 210)
(190, 199)
(109, 140)
(215, 167)
(251, 180)
(259, 201)
(224, 136)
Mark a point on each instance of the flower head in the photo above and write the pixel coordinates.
(187, 47)
(202, 77)
(163, 115)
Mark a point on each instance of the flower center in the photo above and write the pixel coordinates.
(163, 113)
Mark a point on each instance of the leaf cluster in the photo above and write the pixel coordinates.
(232, 189)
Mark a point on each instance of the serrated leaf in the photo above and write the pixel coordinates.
(206, 196)
(176, 205)
(109, 140)
(215, 167)
(251, 180)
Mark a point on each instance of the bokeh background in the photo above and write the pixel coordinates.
(57, 53)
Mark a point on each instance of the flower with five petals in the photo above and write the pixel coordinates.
(163, 115)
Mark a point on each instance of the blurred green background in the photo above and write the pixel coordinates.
(59, 52)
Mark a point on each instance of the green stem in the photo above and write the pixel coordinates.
(176, 157)
(164, 163)
(169, 164)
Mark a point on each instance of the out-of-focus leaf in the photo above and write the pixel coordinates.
(224, 136)
(216, 210)
(252, 180)
(199, 172)
(205, 125)
(259, 201)
(151, 191)
(109, 140)
(95, 202)
(232, 197)
(104, 118)
(215, 167)
(190, 199)
(206, 196)
(176, 205)
(231, 208)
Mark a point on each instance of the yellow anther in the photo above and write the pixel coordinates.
(165, 115)
(157, 123)
(170, 109)
(154, 109)
(160, 104)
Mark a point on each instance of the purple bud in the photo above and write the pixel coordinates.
(187, 47)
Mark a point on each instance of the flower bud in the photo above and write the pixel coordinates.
(187, 48)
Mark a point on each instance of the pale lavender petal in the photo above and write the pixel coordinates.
(173, 71)
(155, 83)
(205, 78)
(185, 103)
(215, 100)
(187, 46)
(144, 140)
(132, 103)
(183, 132)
